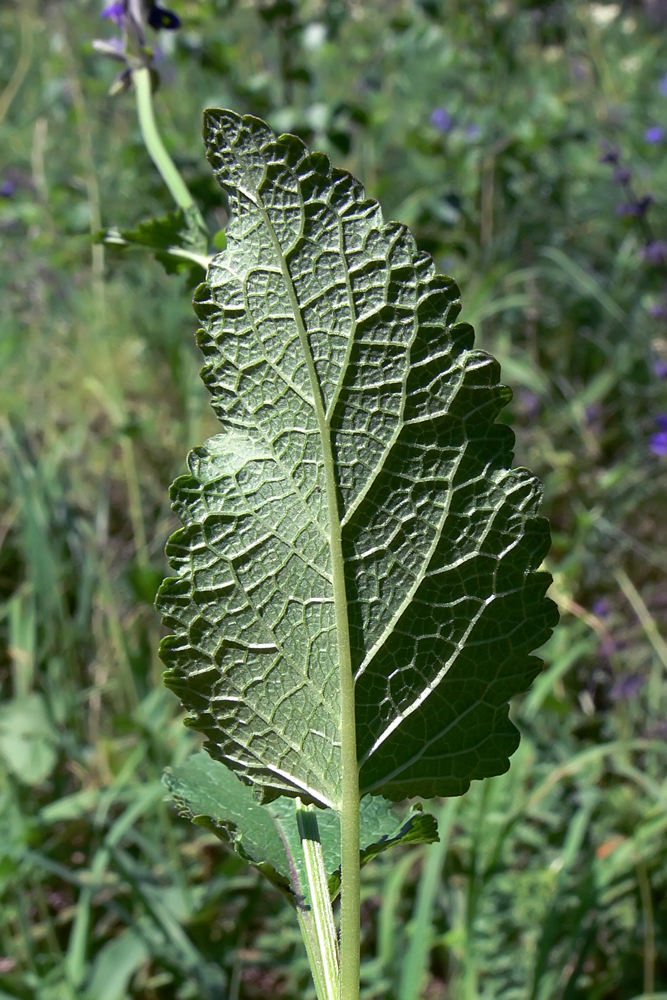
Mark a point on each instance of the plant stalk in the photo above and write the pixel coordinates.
(350, 920)
(350, 917)
(316, 918)
(156, 148)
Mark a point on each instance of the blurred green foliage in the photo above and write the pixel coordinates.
(481, 125)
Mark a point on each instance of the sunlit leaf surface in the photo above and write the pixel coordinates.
(358, 438)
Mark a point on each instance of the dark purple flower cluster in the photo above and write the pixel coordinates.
(654, 251)
(610, 154)
(130, 47)
(158, 17)
(638, 207)
(622, 175)
(635, 206)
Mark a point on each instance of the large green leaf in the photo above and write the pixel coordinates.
(360, 488)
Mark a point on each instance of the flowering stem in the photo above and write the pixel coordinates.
(316, 919)
(157, 150)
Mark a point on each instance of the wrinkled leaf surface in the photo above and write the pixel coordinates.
(358, 442)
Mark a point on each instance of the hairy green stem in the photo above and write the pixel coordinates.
(350, 918)
(317, 923)
(156, 148)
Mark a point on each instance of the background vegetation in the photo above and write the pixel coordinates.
(524, 143)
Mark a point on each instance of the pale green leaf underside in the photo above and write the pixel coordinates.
(332, 355)
(267, 835)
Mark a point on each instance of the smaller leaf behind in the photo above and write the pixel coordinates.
(267, 835)
(211, 796)
(175, 239)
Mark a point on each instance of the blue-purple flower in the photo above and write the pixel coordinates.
(659, 441)
(622, 175)
(131, 16)
(660, 368)
(529, 403)
(593, 414)
(637, 208)
(655, 134)
(610, 154)
(157, 16)
(115, 12)
(442, 120)
(655, 252)
(627, 687)
(160, 17)
(658, 310)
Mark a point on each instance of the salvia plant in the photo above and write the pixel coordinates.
(357, 585)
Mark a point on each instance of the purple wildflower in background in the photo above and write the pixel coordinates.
(115, 12)
(473, 131)
(658, 310)
(655, 134)
(593, 413)
(662, 87)
(610, 154)
(7, 189)
(442, 120)
(655, 252)
(660, 368)
(529, 403)
(659, 440)
(160, 17)
(627, 687)
(636, 208)
(622, 175)
(601, 608)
